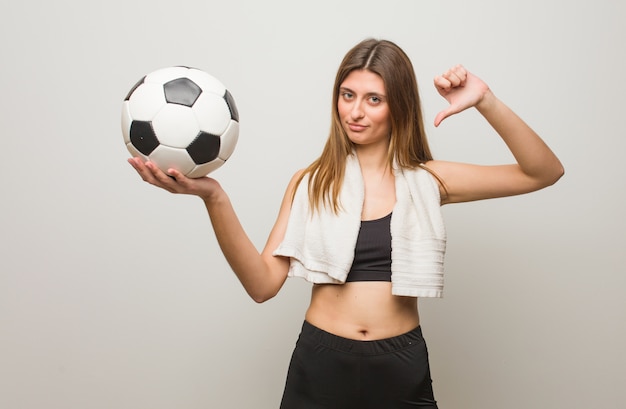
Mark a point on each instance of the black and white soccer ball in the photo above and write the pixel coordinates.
(181, 118)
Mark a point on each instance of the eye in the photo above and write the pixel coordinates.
(346, 95)
(375, 99)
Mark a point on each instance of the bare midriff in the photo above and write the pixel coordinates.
(362, 310)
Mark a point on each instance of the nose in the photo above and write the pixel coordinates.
(357, 111)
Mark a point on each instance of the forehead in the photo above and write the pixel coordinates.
(364, 81)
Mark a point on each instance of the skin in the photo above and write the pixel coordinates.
(367, 310)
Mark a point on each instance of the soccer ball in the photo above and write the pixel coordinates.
(181, 118)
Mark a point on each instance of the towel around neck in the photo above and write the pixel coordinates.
(321, 244)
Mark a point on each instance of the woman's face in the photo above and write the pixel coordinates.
(363, 109)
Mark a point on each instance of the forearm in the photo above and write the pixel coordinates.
(532, 154)
(249, 265)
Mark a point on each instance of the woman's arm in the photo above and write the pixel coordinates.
(537, 166)
(261, 274)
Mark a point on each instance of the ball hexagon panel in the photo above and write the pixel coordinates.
(229, 140)
(166, 157)
(212, 113)
(206, 168)
(146, 101)
(175, 126)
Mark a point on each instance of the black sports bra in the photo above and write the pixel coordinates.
(372, 253)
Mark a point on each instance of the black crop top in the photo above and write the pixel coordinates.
(372, 253)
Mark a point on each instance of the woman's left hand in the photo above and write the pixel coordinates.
(461, 89)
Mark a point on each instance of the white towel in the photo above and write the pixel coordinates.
(321, 244)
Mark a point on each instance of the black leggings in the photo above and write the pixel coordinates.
(331, 372)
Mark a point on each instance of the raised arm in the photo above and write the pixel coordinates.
(537, 166)
(261, 274)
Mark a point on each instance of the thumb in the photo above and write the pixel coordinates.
(453, 108)
(443, 115)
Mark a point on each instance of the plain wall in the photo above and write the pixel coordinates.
(114, 294)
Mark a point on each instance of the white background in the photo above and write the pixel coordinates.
(114, 294)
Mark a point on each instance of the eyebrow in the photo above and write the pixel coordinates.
(343, 89)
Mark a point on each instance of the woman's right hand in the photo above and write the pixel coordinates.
(461, 89)
(174, 181)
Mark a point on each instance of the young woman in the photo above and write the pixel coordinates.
(363, 223)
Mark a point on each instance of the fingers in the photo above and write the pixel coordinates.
(173, 180)
(150, 173)
(450, 85)
(162, 179)
(453, 78)
(142, 170)
(177, 181)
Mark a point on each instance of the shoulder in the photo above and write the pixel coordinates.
(296, 179)
(437, 170)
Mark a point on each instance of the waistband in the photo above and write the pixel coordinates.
(311, 333)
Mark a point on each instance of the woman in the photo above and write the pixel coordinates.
(374, 188)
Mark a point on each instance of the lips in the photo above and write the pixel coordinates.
(356, 127)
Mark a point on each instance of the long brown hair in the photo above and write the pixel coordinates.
(408, 144)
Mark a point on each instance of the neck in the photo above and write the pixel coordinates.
(372, 159)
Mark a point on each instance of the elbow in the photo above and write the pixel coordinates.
(561, 173)
(558, 174)
(263, 285)
(260, 297)
(553, 177)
